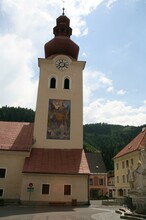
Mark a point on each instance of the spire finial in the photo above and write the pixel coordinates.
(63, 9)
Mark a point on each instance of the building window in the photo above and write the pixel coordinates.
(1, 192)
(123, 178)
(53, 83)
(132, 161)
(123, 164)
(91, 181)
(66, 84)
(127, 163)
(100, 182)
(120, 192)
(117, 179)
(96, 181)
(45, 189)
(67, 189)
(117, 166)
(124, 192)
(2, 172)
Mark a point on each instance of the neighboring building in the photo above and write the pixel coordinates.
(15, 146)
(45, 161)
(98, 176)
(111, 184)
(127, 159)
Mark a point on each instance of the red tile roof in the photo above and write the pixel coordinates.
(56, 161)
(16, 136)
(137, 143)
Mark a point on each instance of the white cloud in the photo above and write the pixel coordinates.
(110, 89)
(82, 7)
(110, 3)
(77, 10)
(84, 54)
(121, 92)
(96, 79)
(114, 112)
(93, 81)
(30, 20)
(104, 80)
(108, 111)
(17, 86)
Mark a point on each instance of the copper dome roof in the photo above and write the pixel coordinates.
(61, 43)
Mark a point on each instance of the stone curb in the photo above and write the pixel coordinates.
(127, 214)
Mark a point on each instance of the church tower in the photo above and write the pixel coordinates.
(59, 111)
(57, 165)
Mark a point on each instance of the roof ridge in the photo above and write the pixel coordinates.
(143, 135)
(143, 139)
(132, 146)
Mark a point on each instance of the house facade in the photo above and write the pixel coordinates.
(98, 176)
(15, 146)
(126, 162)
(111, 183)
(45, 161)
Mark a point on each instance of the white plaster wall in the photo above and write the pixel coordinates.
(79, 185)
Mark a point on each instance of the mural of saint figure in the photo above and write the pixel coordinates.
(58, 119)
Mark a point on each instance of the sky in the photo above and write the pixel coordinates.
(111, 35)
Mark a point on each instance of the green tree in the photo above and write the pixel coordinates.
(16, 114)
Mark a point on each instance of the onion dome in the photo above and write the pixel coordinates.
(61, 43)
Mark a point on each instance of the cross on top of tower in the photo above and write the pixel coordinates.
(63, 9)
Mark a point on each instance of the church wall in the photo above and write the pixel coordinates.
(11, 184)
(79, 188)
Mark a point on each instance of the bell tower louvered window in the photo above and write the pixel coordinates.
(53, 83)
(66, 84)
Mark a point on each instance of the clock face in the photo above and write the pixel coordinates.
(62, 64)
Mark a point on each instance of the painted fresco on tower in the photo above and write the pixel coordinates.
(58, 119)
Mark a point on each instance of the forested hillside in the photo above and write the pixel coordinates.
(109, 139)
(16, 114)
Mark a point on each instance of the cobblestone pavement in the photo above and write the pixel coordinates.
(92, 212)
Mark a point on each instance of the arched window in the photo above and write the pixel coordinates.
(53, 83)
(66, 83)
